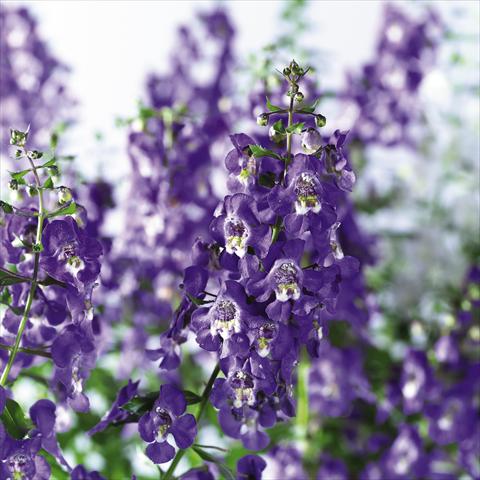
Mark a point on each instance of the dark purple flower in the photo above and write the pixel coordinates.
(238, 227)
(332, 469)
(74, 355)
(81, 473)
(167, 416)
(405, 459)
(416, 381)
(20, 459)
(250, 467)
(70, 255)
(221, 325)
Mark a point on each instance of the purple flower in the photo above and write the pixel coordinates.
(81, 473)
(250, 467)
(238, 227)
(221, 325)
(167, 416)
(70, 255)
(332, 468)
(416, 381)
(285, 461)
(405, 459)
(74, 355)
(20, 459)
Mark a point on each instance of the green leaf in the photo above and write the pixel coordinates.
(196, 300)
(14, 420)
(278, 126)
(310, 108)
(139, 405)
(191, 397)
(273, 108)
(57, 471)
(6, 207)
(296, 128)
(48, 183)
(50, 163)
(9, 278)
(52, 281)
(227, 473)
(258, 151)
(69, 209)
(18, 176)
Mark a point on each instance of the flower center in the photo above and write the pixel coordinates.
(18, 465)
(236, 235)
(162, 421)
(266, 333)
(242, 384)
(306, 190)
(286, 282)
(226, 318)
(249, 169)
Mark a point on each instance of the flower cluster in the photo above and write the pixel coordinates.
(385, 94)
(274, 266)
(49, 268)
(171, 146)
(32, 83)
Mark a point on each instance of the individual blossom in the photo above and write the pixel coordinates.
(250, 467)
(221, 326)
(238, 227)
(74, 355)
(285, 461)
(167, 416)
(332, 468)
(406, 458)
(70, 255)
(81, 473)
(311, 141)
(416, 381)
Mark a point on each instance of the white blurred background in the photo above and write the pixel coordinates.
(110, 46)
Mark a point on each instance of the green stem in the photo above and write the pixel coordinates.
(198, 416)
(33, 286)
(29, 351)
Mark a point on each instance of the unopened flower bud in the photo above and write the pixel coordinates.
(34, 154)
(311, 141)
(64, 195)
(299, 97)
(262, 120)
(286, 71)
(18, 138)
(37, 247)
(13, 184)
(320, 120)
(275, 136)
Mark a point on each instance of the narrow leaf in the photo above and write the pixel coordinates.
(227, 473)
(296, 128)
(10, 278)
(258, 151)
(69, 209)
(273, 108)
